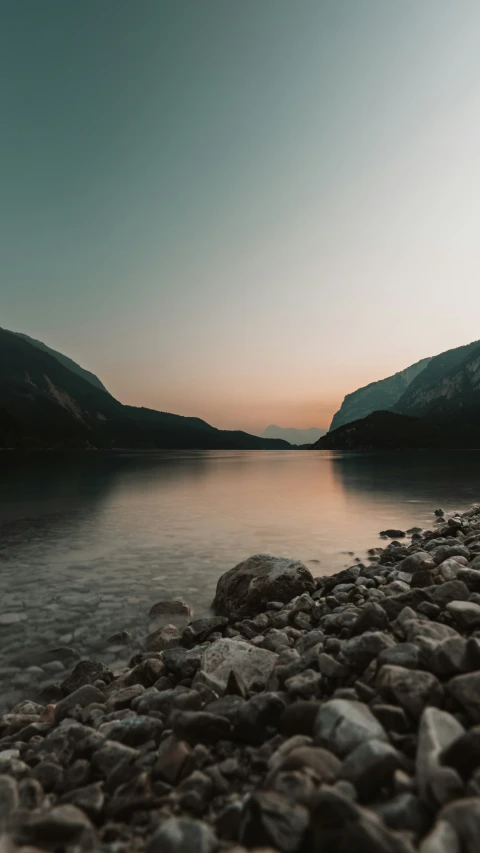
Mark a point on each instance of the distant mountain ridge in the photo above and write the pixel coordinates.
(44, 403)
(449, 382)
(377, 396)
(292, 435)
(440, 408)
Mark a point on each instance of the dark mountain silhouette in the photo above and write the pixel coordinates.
(63, 359)
(390, 431)
(174, 431)
(45, 404)
(439, 408)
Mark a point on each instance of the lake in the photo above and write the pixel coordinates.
(89, 541)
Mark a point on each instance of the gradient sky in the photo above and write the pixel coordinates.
(241, 209)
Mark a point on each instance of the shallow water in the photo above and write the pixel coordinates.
(88, 542)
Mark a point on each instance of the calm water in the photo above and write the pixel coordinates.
(89, 542)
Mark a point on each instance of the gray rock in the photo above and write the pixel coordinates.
(449, 569)
(470, 577)
(415, 562)
(445, 552)
(330, 667)
(246, 589)
(82, 697)
(325, 765)
(9, 800)
(90, 799)
(442, 839)
(271, 820)
(86, 672)
(371, 618)
(359, 651)
(413, 689)
(171, 757)
(405, 812)
(184, 663)
(200, 630)
(408, 655)
(252, 664)
(199, 726)
(305, 684)
(464, 817)
(168, 637)
(370, 767)
(437, 731)
(182, 835)
(343, 724)
(450, 656)
(418, 631)
(338, 824)
(121, 699)
(165, 609)
(133, 730)
(466, 690)
(111, 754)
(58, 828)
(254, 717)
(449, 591)
(465, 613)
(392, 718)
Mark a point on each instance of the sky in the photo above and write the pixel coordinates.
(241, 209)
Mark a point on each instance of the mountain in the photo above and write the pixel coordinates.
(440, 408)
(292, 435)
(383, 394)
(45, 404)
(449, 383)
(63, 359)
(174, 431)
(391, 431)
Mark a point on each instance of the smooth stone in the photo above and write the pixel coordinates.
(370, 766)
(413, 689)
(182, 835)
(465, 613)
(360, 650)
(169, 609)
(466, 690)
(339, 824)
(343, 724)
(449, 591)
(437, 731)
(464, 817)
(168, 637)
(84, 696)
(441, 839)
(272, 820)
(251, 663)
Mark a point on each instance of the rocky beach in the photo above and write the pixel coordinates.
(308, 715)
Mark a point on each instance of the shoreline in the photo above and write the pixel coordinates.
(338, 712)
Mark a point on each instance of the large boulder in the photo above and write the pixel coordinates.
(246, 589)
